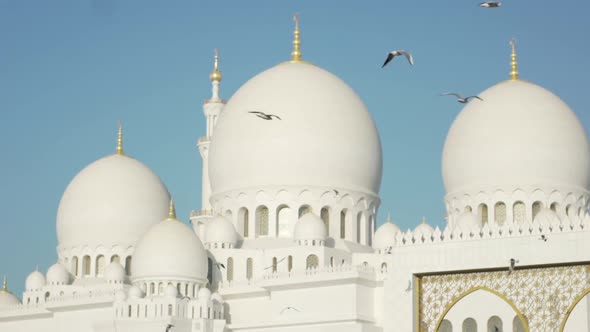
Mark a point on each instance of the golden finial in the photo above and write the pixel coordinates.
(172, 211)
(215, 74)
(513, 62)
(296, 54)
(120, 140)
(423, 220)
(4, 285)
(388, 217)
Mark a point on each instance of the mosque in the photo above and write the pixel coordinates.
(285, 237)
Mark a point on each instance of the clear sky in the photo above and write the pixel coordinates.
(70, 69)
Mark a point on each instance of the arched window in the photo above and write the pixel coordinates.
(152, 288)
(228, 214)
(312, 261)
(303, 210)
(230, 269)
(537, 206)
(75, 266)
(249, 268)
(519, 212)
(555, 207)
(500, 213)
(160, 288)
(483, 213)
(244, 221)
(468, 210)
(371, 230)
(210, 271)
(469, 325)
(290, 263)
(170, 310)
(517, 325)
(331, 261)
(325, 215)
(46, 296)
(283, 216)
(86, 265)
(262, 220)
(274, 264)
(128, 265)
(115, 258)
(343, 223)
(445, 326)
(495, 324)
(360, 229)
(100, 262)
(383, 267)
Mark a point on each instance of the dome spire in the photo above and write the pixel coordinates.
(296, 54)
(423, 220)
(215, 74)
(120, 140)
(4, 285)
(513, 62)
(388, 217)
(172, 211)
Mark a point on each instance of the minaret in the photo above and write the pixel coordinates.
(211, 109)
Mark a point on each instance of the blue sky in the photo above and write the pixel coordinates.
(69, 70)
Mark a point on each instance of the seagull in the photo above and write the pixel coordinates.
(490, 4)
(543, 237)
(409, 288)
(336, 192)
(169, 327)
(289, 308)
(393, 54)
(461, 99)
(264, 116)
(512, 265)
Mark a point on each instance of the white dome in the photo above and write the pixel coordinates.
(423, 229)
(204, 295)
(35, 281)
(468, 221)
(385, 236)
(520, 135)
(112, 201)
(171, 291)
(221, 230)
(135, 292)
(8, 299)
(114, 272)
(325, 138)
(57, 274)
(170, 249)
(310, 227)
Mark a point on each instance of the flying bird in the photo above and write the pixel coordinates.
(169, 327)
(512, 265)
(265, 116)
(490, 4)
(289, 308)
(461, 99)
(393, 54)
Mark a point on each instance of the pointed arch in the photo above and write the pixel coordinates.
(503, 297)
(571, 308)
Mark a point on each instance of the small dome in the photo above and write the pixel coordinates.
(170, 249)
(135, 293)
(221, 230)
(296, 92)
(216, 297)
(171, 291)
(204, 295)
(57, 274)
(111, 202)
(310, 227)
(385, 235)
(468, 221)
(547, 217)
(7, 299)
(35, 281)
(423, 228)
(114, 273)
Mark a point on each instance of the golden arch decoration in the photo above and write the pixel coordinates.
(520, 315)
(571, 308)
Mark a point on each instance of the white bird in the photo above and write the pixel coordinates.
(289, 308)
(393, 54)
(490, 4)
(461, 99)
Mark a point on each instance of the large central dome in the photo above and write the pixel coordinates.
(325, 136)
